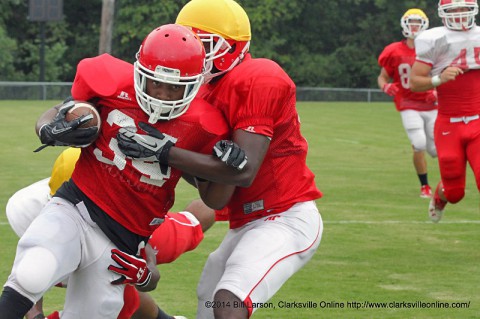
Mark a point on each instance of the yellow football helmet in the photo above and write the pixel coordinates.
(63, 168)
(413, 22)
(224, 28)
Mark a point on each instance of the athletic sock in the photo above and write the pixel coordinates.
(423, 179)
(13, 305)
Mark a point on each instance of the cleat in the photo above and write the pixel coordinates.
(179, 317)
(425, 192)
(436, 207)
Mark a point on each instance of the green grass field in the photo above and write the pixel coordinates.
(379, 251)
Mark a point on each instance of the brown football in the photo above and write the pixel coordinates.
(82, 108)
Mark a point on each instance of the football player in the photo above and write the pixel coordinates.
(447, 59)
(179, 233)
(112, 204)
(275, 224)
(418, 110)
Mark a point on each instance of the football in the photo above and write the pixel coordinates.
(82, 108)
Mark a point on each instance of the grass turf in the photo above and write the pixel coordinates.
(380, 256)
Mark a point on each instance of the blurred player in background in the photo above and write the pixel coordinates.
(112, 204)
(448, 60)
(275, 224)
(179, 233)
(418, 110)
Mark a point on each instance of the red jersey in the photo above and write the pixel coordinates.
(135, 193)
(258, 96)
(397, 59)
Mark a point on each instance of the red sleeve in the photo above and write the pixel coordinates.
(385, 60)
(175, 236)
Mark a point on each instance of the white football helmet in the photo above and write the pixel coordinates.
(458, 15)
(171, 54)
(413, 22)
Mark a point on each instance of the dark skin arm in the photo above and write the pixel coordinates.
(209, 168)
(214, 195)
(152, 266)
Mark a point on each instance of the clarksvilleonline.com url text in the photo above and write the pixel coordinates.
(394, 305)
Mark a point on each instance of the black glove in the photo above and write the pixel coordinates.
(152, 147)
(230, 153)
(132, 270)
(59, 132)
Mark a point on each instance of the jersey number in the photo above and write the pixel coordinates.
(151, 173)
(461, 60)
(404, 74)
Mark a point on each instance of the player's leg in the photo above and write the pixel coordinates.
(37, 311)
(270, 251)
(47, 252)
(204, 214)
(26, 204)
(90, 293)
(472, 150)
(429, 120)
(415, 128)
(452, 163)
(213, 271)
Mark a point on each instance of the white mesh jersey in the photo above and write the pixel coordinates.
(441, 47)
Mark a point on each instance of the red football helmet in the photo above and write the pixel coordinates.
(171, 54)
(458, 15)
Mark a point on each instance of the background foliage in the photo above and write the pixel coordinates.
(319, 43)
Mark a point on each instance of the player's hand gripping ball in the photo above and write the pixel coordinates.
(75, 124)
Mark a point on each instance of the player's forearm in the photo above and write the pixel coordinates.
(382, 80)
(207, 167)
(420, 83)
(215, 195)
(152, 266)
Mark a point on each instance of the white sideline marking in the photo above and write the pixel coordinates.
(346, 141)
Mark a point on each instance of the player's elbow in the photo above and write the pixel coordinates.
(214, 203)
(245, 179)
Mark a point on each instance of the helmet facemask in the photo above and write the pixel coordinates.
(168, 71)
(412, 25)
(223, 54)
(458, 20)
(163, 109)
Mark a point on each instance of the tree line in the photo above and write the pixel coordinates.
(320, 43)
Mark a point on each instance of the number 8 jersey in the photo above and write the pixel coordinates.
(397, 59)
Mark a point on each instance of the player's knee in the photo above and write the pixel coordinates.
(432, 150)
(419, 145)
(417, 139)
(454, 195)
(35, 271)
(14, 216)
